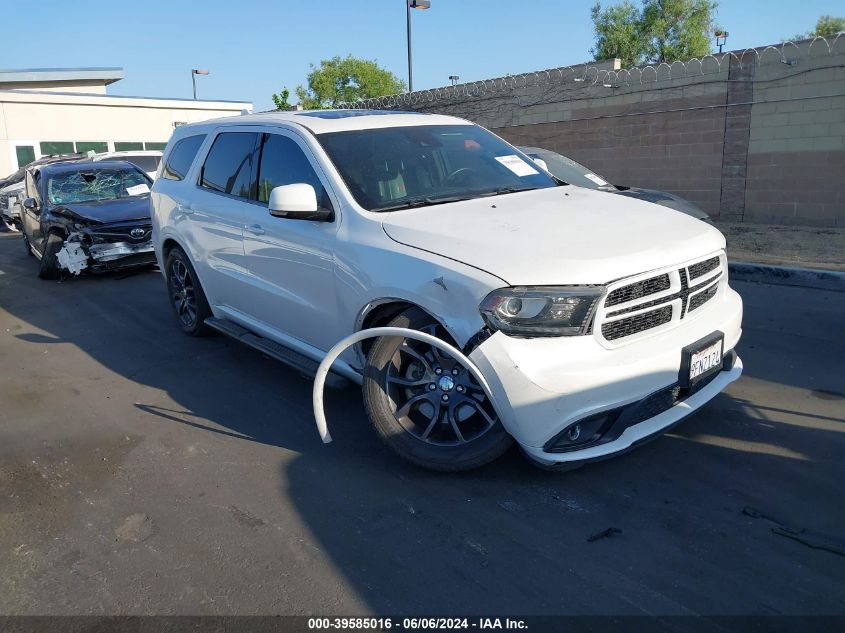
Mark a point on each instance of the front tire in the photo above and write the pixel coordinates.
(49, 267)
(186, 294)
(425, 406)
(27, 245)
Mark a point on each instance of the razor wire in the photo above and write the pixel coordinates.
(564, 79)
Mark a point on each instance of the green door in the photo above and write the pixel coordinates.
(25, 154)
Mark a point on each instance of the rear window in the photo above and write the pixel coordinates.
(181, 156)
(144, 163)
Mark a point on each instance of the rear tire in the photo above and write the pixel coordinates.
(460, 433)
(49, 267)
(186, 294)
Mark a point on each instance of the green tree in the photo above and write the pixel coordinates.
(659, 31)
(826, 26)
(619, 33)
(343, 80)
(281, 99)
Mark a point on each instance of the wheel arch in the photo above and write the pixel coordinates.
(379, 312)
(168, 245)
(57, 229)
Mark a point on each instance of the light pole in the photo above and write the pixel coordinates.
(194, 73)
(413, 4)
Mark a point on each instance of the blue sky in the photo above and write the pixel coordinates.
(254, 47)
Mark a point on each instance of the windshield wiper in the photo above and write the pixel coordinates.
(422, 202)
(503, 190)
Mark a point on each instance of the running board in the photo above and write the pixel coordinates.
(289, 357)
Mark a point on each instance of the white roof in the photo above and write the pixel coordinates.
(321, 121)
(128, 152)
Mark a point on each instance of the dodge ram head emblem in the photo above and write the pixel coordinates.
(137, 233)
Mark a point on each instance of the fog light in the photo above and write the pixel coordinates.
(584, 432)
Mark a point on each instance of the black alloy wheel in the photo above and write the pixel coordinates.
(425, 405)
(186, 294)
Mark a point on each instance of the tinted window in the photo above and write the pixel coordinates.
(56, 147)
(145, 163)
(397, 167)
(284, 163)
(25, 155)
(127, 146)
(181, 156)
(228, 167)
(83, 147)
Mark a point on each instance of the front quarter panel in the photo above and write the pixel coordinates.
(374, 269)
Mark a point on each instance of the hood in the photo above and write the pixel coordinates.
(108, 211)
(665, 199)
(562, 235)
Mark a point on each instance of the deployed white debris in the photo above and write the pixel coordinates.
(340, 347)
(71, 257)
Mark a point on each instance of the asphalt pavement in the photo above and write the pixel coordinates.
(145, 472)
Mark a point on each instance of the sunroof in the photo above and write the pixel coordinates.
(345, 114)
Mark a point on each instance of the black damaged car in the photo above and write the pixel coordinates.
(87, 216)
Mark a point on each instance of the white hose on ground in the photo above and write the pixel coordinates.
(340, 347)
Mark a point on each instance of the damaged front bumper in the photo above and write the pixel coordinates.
(76, 255)
(543, 387)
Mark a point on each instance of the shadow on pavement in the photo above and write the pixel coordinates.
(507, 538)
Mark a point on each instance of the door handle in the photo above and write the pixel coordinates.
(187, 210)
(255, 229)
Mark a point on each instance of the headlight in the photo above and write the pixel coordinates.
(541, 311)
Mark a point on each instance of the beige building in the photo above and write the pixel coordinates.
(57, 110)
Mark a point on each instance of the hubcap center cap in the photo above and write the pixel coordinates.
(446, 383)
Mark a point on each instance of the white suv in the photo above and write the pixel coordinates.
(597, 321)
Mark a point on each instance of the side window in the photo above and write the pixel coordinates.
(228, 167)
(181, 156)
(284, 163)
(31, 186)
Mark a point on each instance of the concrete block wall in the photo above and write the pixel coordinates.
(752, 136)
(796, 153)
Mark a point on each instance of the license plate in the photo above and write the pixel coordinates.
(701, 359)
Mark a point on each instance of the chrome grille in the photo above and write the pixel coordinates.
(639, 289)
(702, 268)
(696, 301)
(122, 233)
(649, 302)
(631, 325)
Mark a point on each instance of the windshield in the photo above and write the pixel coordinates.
(567, 169)
(399, 167)
(92, 185)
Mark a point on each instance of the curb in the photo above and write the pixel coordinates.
(788, 276)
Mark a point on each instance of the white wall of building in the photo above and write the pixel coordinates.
(29, 118)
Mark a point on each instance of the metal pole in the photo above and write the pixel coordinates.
(194, 82)
(410, 63)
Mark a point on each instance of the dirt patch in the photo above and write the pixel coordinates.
(136, 528)
(781, 245)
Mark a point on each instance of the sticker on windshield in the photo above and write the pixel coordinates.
(599, 181)
(138, 190)
(517, 165)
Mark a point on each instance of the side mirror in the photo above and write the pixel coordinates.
(297, 202)
(31, 204)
